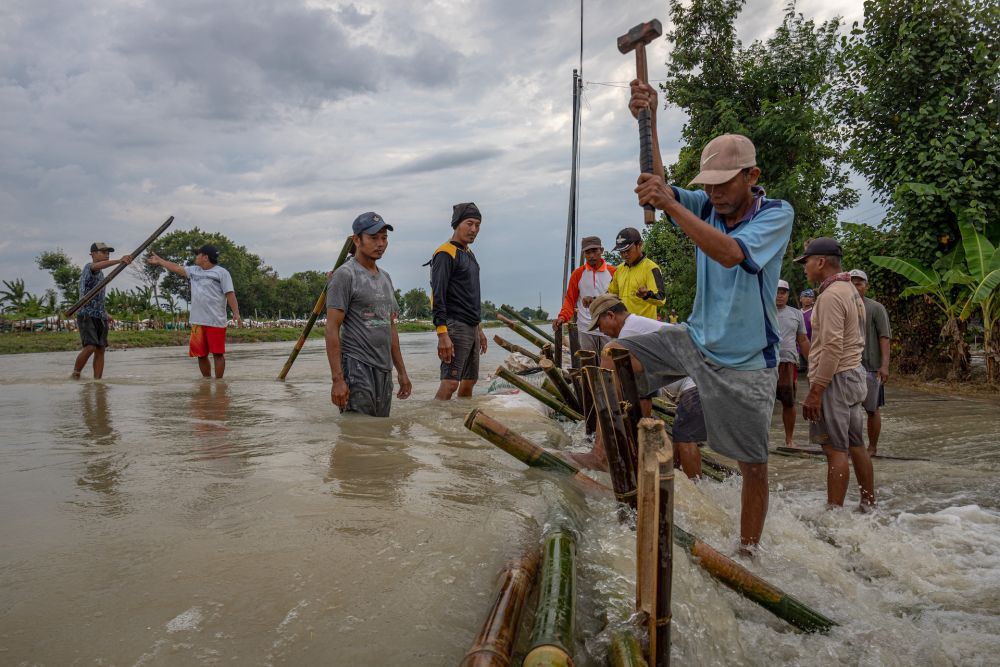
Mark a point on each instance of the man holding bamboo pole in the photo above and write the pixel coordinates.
(92, 319)
(729, 345)
(362, 344)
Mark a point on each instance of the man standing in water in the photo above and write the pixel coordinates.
(92, 319)
(793, 338)
(362, 344)
(837, 383)
(211, 290)
(456, 305)
(729, 345)
(589, 281)
(875, 358)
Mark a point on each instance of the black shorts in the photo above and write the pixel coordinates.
(93, 330)
(465, 362)
(689, 422)
(370, 388)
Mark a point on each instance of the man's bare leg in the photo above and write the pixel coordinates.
(204, 367)
(595, 459)
(220, 364)
(788, 418)
(838, 476)
(690, 459)
(465, 388)
(865, 473)
(874, 430)
(81, 360)
(98, 363)
(753, 509)
(446, 389)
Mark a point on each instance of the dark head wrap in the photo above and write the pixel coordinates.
(462, 211)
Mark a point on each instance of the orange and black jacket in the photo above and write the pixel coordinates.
(455, 285)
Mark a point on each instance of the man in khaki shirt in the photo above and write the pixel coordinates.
(837, 380)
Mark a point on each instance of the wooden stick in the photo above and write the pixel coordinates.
(587, 358)
(611, 426)
(96, 289)
(653, 430)
(625, 651)
(495, 641)
(510, 312)
(555, 375)
(551, 643)
(542, 396)
(511, 347)
(559, 346)
(646, 536)
(317, 310)
(522, 332)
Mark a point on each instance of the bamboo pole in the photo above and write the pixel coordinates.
(653, 430)
(725, 570)
(551, 388)
(559, 345)
(495, 641)
(96, 289)
(522, 331)
(587, 358)
(552, 635)
(625, 651)
(715, 464)
(555, 375)
(646, 537)
(611, 426)
(574, 344)
(628, 389)
(512, 348)
(316, 312)
(510, 312)
(542, 396)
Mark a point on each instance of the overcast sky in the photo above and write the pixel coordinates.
(276, 123)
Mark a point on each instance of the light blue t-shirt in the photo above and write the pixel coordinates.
(734, 321)
(208, 295)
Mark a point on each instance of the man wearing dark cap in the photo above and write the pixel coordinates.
(587, 282)
(456, 304)
(638, 281)
(211, 290)
(362, 344)
(729, 344)
(837, 380)
(92, 319)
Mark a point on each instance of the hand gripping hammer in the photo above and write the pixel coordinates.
(637, 38)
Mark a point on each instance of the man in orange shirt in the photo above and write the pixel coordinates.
(589, 281)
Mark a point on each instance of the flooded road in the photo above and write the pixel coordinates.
(155, 518)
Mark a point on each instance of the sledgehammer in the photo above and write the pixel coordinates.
(637, 38)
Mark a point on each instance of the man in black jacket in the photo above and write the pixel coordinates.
(456, 305)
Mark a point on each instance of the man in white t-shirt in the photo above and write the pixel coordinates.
(211, 291)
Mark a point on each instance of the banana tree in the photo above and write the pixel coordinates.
(983, 262)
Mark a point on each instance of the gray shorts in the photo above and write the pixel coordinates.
(738, 402)
(465, 362)
(875, 398)
(93, 330)
(370, 388)
(594, 342)
(689, 422)
(842, 423)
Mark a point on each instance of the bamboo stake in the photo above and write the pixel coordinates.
(551, 388)
(653, 431)
(96, 289)
(495, 641)
(510, 312)
(574, 344)
(555, 375)
(512, 348)
(628, 389)
(559, 346)
(551, 643)
(646, 537)
(542, 396)
(611, 426)
(625, 651)
(587, 358)
(316, 312)
(522, 332)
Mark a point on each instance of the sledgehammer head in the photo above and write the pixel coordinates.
(641, 35)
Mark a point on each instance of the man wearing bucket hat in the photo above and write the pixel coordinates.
(92, 319)
(875, 358)
(729, 344)
(587, 282)
(362, 344)
(792, 329)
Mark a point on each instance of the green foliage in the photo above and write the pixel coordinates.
(674, 252)
(65, 273)
(489, 310)
(13, 295)
(416, 304)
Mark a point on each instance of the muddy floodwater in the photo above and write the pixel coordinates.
(154, 518)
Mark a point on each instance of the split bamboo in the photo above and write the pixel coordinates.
(522, 332)
(317, 310)
(495, 641)
(628, 388)
(654, 429)
(537, 393)
(512, 348)
(552, 635)
(555, 375)
(510, 312)
(587, 358)
(646, 537)
(611, 426)
(625, 651)
(559, 345)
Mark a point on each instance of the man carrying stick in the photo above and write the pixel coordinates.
(729, 345)
(211, 290)
(92, 319)
(362, 344)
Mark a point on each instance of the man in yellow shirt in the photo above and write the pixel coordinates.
(638, 282)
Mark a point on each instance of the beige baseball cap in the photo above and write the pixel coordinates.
(724, 157)
(601, 305)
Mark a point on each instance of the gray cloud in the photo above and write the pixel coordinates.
(445, 160)
(325, 203)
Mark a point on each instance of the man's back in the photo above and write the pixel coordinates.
(838, 332)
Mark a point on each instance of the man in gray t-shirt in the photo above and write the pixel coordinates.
(791, 332)
(875, 357)
(362, 344)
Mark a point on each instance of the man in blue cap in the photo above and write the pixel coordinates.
(362, 344)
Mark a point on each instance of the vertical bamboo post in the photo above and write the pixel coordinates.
(574, 344)
(316, 312)
(552, 635)
(629, 392)
(611, 427)
(587, 358)
(654, 536)
(559, 346)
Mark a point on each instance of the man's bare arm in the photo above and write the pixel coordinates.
(235, 307)
(156, 260)
(339, 391)
(405, 387)
(804, 345)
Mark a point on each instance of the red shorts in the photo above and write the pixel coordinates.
(205, 340)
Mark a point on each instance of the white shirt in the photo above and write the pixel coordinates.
(636, 325)
(208, 295)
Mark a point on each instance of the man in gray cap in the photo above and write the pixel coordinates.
(92, 319)
(362, 344)
(587, 282)
(875, 358)
(729, 344)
